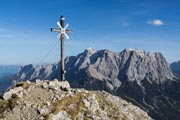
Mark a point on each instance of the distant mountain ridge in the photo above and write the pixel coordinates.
(175, 66)
(7, 73)
(138, 76)
(6, 70)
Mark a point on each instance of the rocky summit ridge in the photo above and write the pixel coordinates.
(54, 100)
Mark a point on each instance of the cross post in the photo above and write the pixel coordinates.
(62, 30)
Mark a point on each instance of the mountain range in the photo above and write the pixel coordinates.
(7, 73)
(6, 70)
(141, 77)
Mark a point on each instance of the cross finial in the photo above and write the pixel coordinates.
(62, 17)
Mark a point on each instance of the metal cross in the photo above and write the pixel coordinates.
(62, 30)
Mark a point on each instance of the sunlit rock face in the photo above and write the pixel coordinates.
(104, 65)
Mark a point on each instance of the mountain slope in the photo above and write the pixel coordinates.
(175, 66)
(138, 76)
(27, 102)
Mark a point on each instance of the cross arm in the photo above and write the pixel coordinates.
(69, 31)
(55, 30)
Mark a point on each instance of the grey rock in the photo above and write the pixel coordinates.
(58, 84)
(86, 103)
(62, 115)
(45, 85)
(38, 81)
(17, 91)
(48, 103)
(43, 111)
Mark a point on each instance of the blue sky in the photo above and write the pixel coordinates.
(150, 25)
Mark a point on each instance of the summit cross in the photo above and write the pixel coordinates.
(62, 30)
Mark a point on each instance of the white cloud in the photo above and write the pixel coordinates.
(156, 22)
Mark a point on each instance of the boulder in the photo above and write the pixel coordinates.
(17, 91)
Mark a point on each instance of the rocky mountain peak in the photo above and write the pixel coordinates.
(134, 50)
(53, 100)
(141, 65)
(25, 68)
(87, 53)
(90, 50)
